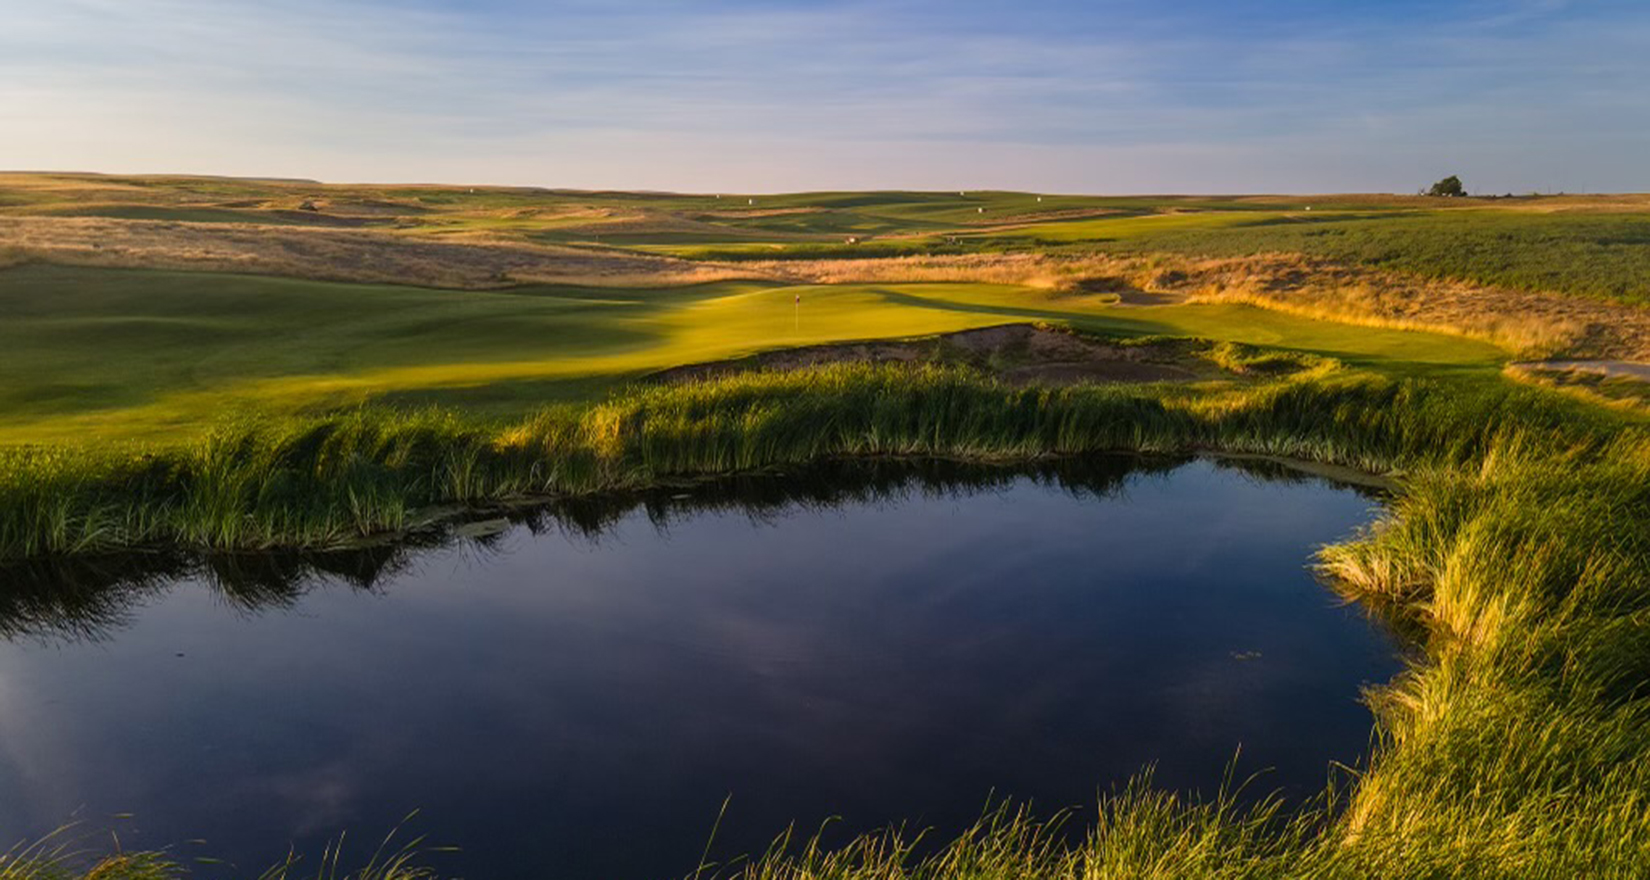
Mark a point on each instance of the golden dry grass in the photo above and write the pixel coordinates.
(1030, 270)
(1531, 324)
(337, 254)
(1524, 202)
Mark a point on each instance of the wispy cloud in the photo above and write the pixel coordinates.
(759, 94)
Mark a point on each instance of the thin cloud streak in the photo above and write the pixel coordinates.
(768, 95)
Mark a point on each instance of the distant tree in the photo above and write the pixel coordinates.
(1449, 186)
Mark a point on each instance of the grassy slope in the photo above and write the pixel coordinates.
(1599, 255)
(1605, 255)
(142, 354)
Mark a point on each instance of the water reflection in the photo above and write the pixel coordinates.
(92, 598)
(583, 684)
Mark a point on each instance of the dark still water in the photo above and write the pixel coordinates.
(582, 691)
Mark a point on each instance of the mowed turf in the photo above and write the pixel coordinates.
(98, 355)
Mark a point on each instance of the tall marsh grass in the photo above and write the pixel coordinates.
(325, 481)
(62, 856)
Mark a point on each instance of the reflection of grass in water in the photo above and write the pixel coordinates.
(91, 598)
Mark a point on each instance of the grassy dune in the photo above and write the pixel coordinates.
(1604, 255)
(1601, 255)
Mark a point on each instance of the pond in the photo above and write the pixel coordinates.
(584, 687)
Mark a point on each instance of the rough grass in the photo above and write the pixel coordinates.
(475, 262)
(62, 856)
(1543, 328)
(319, 481)
(1591, 254)
(1533, 325)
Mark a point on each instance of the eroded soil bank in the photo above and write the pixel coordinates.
(1020, 354)
(1614, 383)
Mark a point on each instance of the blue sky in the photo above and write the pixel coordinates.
(763, 95)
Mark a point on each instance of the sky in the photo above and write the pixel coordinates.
(1092, 96)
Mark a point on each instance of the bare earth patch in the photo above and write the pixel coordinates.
(1610, 369)
(1613, 383)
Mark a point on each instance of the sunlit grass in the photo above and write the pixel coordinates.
(63, 855)
(1602, 255)
(121, 356)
